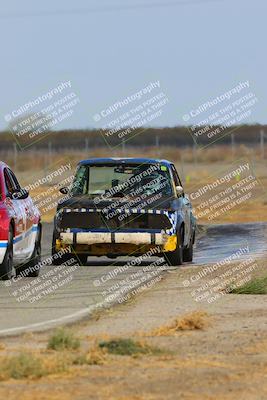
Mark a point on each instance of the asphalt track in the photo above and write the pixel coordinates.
(75, 292)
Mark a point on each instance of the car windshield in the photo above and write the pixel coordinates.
(120, 180)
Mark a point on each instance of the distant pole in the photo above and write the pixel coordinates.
(123, 146)
(262, 143)
(15, 155)
(86, 145)
(182, 166)
(195, 153)
(50, 151)
(233, 145)
(157, 145)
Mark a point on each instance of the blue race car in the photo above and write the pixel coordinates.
(125, 206)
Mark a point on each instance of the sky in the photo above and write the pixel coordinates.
(111, 49)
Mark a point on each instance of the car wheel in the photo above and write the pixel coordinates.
(188, 253)
(175, 257)
(59, 260)
(82, 259)
(32, 268)
(7, 270)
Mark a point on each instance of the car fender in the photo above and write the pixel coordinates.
(177, 220)
(5, 220)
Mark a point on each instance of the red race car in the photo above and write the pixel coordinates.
(20, 229)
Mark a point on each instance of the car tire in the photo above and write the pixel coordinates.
(188, 253)
(64, 258)
(82, 259)
(175, 258)
(31, 269)
(7, 270)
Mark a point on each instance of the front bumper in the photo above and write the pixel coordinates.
(83, 241)
(139, 230)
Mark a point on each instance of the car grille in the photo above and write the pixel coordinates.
(98, 220)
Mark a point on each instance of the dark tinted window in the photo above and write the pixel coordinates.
(121, 180)
(15, 182)
(176, 178)
(10, 186)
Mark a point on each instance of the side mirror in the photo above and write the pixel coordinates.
(179, 191)
(21, 194)
(64, 190)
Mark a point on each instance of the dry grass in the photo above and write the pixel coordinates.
(195, 169)
(30, 365)
(196, 320)
(35, 365)
(211, 154)
(95, 356)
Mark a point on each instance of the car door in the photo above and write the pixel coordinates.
(25, 205)
(186, 207)
(16, 210)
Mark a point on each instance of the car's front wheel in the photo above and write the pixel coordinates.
(175, 258)
(188, 251)
(7, 270)
(58, 257)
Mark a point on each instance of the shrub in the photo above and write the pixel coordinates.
(63, 339)
(255, 286)
(127, 347)
(21, 366)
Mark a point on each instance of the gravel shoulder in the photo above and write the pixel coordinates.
(227, 359)
(72, 294)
